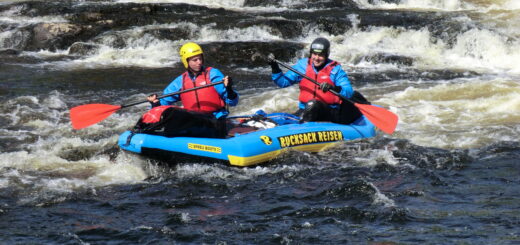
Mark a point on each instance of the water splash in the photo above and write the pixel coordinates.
(459, 114)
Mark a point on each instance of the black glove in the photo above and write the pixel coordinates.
(274, 65)
(325, 87)
(229, 89)
(229, 86)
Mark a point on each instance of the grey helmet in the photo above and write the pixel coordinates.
(320, 45)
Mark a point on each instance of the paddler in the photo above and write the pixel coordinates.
(317, 103)
(204, 110)
(210, 100)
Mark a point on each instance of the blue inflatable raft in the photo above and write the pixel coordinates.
(252, 146)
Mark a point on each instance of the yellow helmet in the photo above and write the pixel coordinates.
(189, 50)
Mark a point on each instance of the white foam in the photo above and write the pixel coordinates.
(252, 33)
(235, 5)
(209, 172)
(307, 224)
(475, 50)
(71, 175)
(380, 198)
(4, 36)
(12, 16)
(52, 145)
(209, 3)
(445, 5)
(442, 5)
(4, 182)
(483, 50)
(121, 173)
(7, 176)
(145, 50)
(152, 53)
(430, 5)
(377, 157)
(458, 114)
(512, 5)
(478, 50)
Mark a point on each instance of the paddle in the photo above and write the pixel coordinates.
(85, 115)
(380, 117)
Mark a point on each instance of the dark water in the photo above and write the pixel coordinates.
(449, 175)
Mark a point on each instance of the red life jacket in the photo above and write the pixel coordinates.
(201, 100)
(310, 91)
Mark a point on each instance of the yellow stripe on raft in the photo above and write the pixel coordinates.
(252, 160)
(315, 147)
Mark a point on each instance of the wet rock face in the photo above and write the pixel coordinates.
(80, 48)
(249, 54)
(9, 52)
(54, 35)
(346, 4)
(49, 36)
(170, 33)
(87, 25)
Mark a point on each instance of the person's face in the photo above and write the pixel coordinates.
(318, 59)
(195, 63)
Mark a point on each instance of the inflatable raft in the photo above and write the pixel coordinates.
(249, 145)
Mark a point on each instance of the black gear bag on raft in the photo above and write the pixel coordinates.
(346, 113)
(172, 121)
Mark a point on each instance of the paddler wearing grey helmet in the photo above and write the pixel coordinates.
(317, 103)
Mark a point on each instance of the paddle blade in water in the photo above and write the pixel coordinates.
(85, 115)
(380, 117)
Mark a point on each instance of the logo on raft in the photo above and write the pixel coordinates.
(266, 139)
(208, 148)
(310, 138)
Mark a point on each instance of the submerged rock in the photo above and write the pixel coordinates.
(9, 52)
(53, 36)
(387, 58)
(80, 48)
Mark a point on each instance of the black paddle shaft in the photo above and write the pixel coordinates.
(174, 93)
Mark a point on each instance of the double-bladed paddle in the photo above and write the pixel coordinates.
(85, 115)
(380, 117)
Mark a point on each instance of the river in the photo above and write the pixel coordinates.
(450, 174)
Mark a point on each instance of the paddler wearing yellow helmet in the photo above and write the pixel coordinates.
(209, 100)
(206, 106)
(189, 50)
